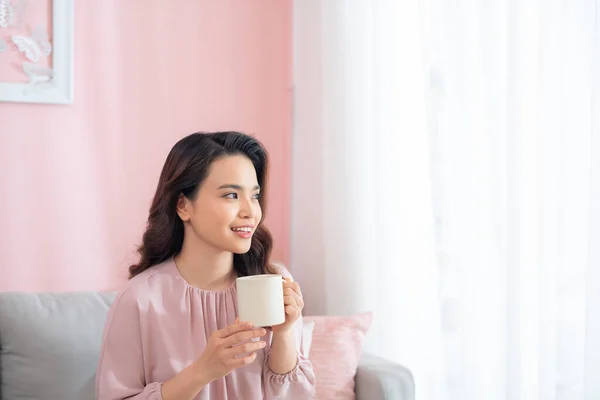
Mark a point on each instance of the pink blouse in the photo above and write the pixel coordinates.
(159, 324)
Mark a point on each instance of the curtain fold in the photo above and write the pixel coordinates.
(453, 151)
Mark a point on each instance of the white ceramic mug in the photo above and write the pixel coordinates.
(260, 299)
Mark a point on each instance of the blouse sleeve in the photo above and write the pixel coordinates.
(120, 373)
(299, 383)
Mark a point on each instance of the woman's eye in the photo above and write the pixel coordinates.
(235, 196)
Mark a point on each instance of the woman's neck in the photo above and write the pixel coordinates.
(205, 267)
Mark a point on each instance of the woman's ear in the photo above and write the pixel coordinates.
(183, 208)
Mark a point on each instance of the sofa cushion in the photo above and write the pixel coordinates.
(335, 352)
(50, 343)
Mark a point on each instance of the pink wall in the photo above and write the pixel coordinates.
(77, 180)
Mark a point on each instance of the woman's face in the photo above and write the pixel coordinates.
(226, 210)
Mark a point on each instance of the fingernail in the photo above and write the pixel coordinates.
(263, 344)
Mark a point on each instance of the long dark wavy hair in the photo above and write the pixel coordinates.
(186, 167)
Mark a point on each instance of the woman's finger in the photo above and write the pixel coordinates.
(243, 336)
(240, 362)
(289, 301)
(294, 286)
(297, 298)
(232, 329)
(247, 347)
(292, 311)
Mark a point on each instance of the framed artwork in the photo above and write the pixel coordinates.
(36, 51)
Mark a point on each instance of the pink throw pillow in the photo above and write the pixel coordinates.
(335, 351)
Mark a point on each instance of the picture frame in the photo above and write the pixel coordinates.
(55, 84)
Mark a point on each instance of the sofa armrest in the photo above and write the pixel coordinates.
(377, 378)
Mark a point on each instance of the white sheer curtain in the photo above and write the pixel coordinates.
(447, 177)
(514, 129)
(363, 231)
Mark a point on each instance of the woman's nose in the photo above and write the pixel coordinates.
(247, 209)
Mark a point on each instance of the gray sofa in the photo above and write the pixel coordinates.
(49, 345)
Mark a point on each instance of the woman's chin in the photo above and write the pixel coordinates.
(240, 245)
(241, 252)
(240, 249)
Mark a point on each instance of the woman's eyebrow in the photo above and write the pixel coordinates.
(236, 187)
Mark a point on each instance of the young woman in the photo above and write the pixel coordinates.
(172, 333)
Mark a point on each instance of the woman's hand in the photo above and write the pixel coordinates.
(220, 356)
(293, 303)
